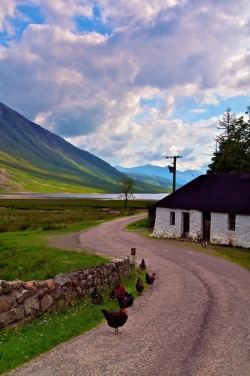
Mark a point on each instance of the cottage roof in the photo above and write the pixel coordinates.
(214, 193)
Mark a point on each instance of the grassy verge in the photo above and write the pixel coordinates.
(17, 346)
(24, 223)
(236, 255)
(25, 255)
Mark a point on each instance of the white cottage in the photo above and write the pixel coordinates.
(214, 208)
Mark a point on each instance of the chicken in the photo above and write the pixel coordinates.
(96, 298)
(139, 286)
(150, 278)
(125, 299)
(115, 319)
(113, 292)
(142, 265)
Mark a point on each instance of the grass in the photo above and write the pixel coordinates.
(17, 346)
(24, 255)
(28, 258)
(23, 251)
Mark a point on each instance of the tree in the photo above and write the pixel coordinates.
(127, 186)
(233, 152)
(228, 123)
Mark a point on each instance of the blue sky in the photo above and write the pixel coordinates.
(130, 82)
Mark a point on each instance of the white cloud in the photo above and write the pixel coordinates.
(128, 96)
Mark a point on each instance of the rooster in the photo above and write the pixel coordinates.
(115, 319)
(139, 286)
(150, 278)
(125, 299)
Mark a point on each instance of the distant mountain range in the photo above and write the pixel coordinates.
(182, 177)
(33, 159)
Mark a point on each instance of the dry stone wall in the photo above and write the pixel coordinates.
(21, 301)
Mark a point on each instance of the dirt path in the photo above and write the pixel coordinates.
(194, 321)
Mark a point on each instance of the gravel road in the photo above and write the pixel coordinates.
(194, 321)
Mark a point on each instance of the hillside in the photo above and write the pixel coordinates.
(33, 159)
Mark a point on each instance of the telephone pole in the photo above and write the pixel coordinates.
(172, 169)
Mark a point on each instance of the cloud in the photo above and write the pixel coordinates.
(128, 85)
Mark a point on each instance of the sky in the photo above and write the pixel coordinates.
(129, 81)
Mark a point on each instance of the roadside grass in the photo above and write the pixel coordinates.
(25, 222)
(18, 346)
(237, 255)
(25, 255)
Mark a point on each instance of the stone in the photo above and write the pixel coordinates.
(46, 302)
(6, 287)
(7, 317)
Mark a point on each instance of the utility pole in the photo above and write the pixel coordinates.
(172, 169)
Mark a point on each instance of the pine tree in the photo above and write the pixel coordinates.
(233, 152)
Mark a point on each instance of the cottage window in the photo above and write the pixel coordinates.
(231, 222)
(172, 218)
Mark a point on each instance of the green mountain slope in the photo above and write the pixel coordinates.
(33, 159)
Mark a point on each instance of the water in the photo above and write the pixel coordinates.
(97, 196)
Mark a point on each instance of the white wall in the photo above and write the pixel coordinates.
(162, 227)
(219, 233)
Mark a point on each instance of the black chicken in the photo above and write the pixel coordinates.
(113, 292)
(139, 286)
(142, 265)
(115, 319)
(96, 298)
(150, 278)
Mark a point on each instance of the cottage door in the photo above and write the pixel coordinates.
(185, 231)
(206, 225)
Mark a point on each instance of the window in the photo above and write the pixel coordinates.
(172, 218)
(231, 222)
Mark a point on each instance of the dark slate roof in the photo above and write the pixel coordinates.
(214, 193)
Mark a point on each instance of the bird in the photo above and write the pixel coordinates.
(204, 245)
(113, 293)
(150, 278)
(143, 265)
(139, 285)
(96, 298)
(115, 319)
(125, 299)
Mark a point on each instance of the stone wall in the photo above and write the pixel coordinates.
(21, 301)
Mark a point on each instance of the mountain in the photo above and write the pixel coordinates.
(33, 159)
(182, 177)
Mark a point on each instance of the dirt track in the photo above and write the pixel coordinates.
(194, 321)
